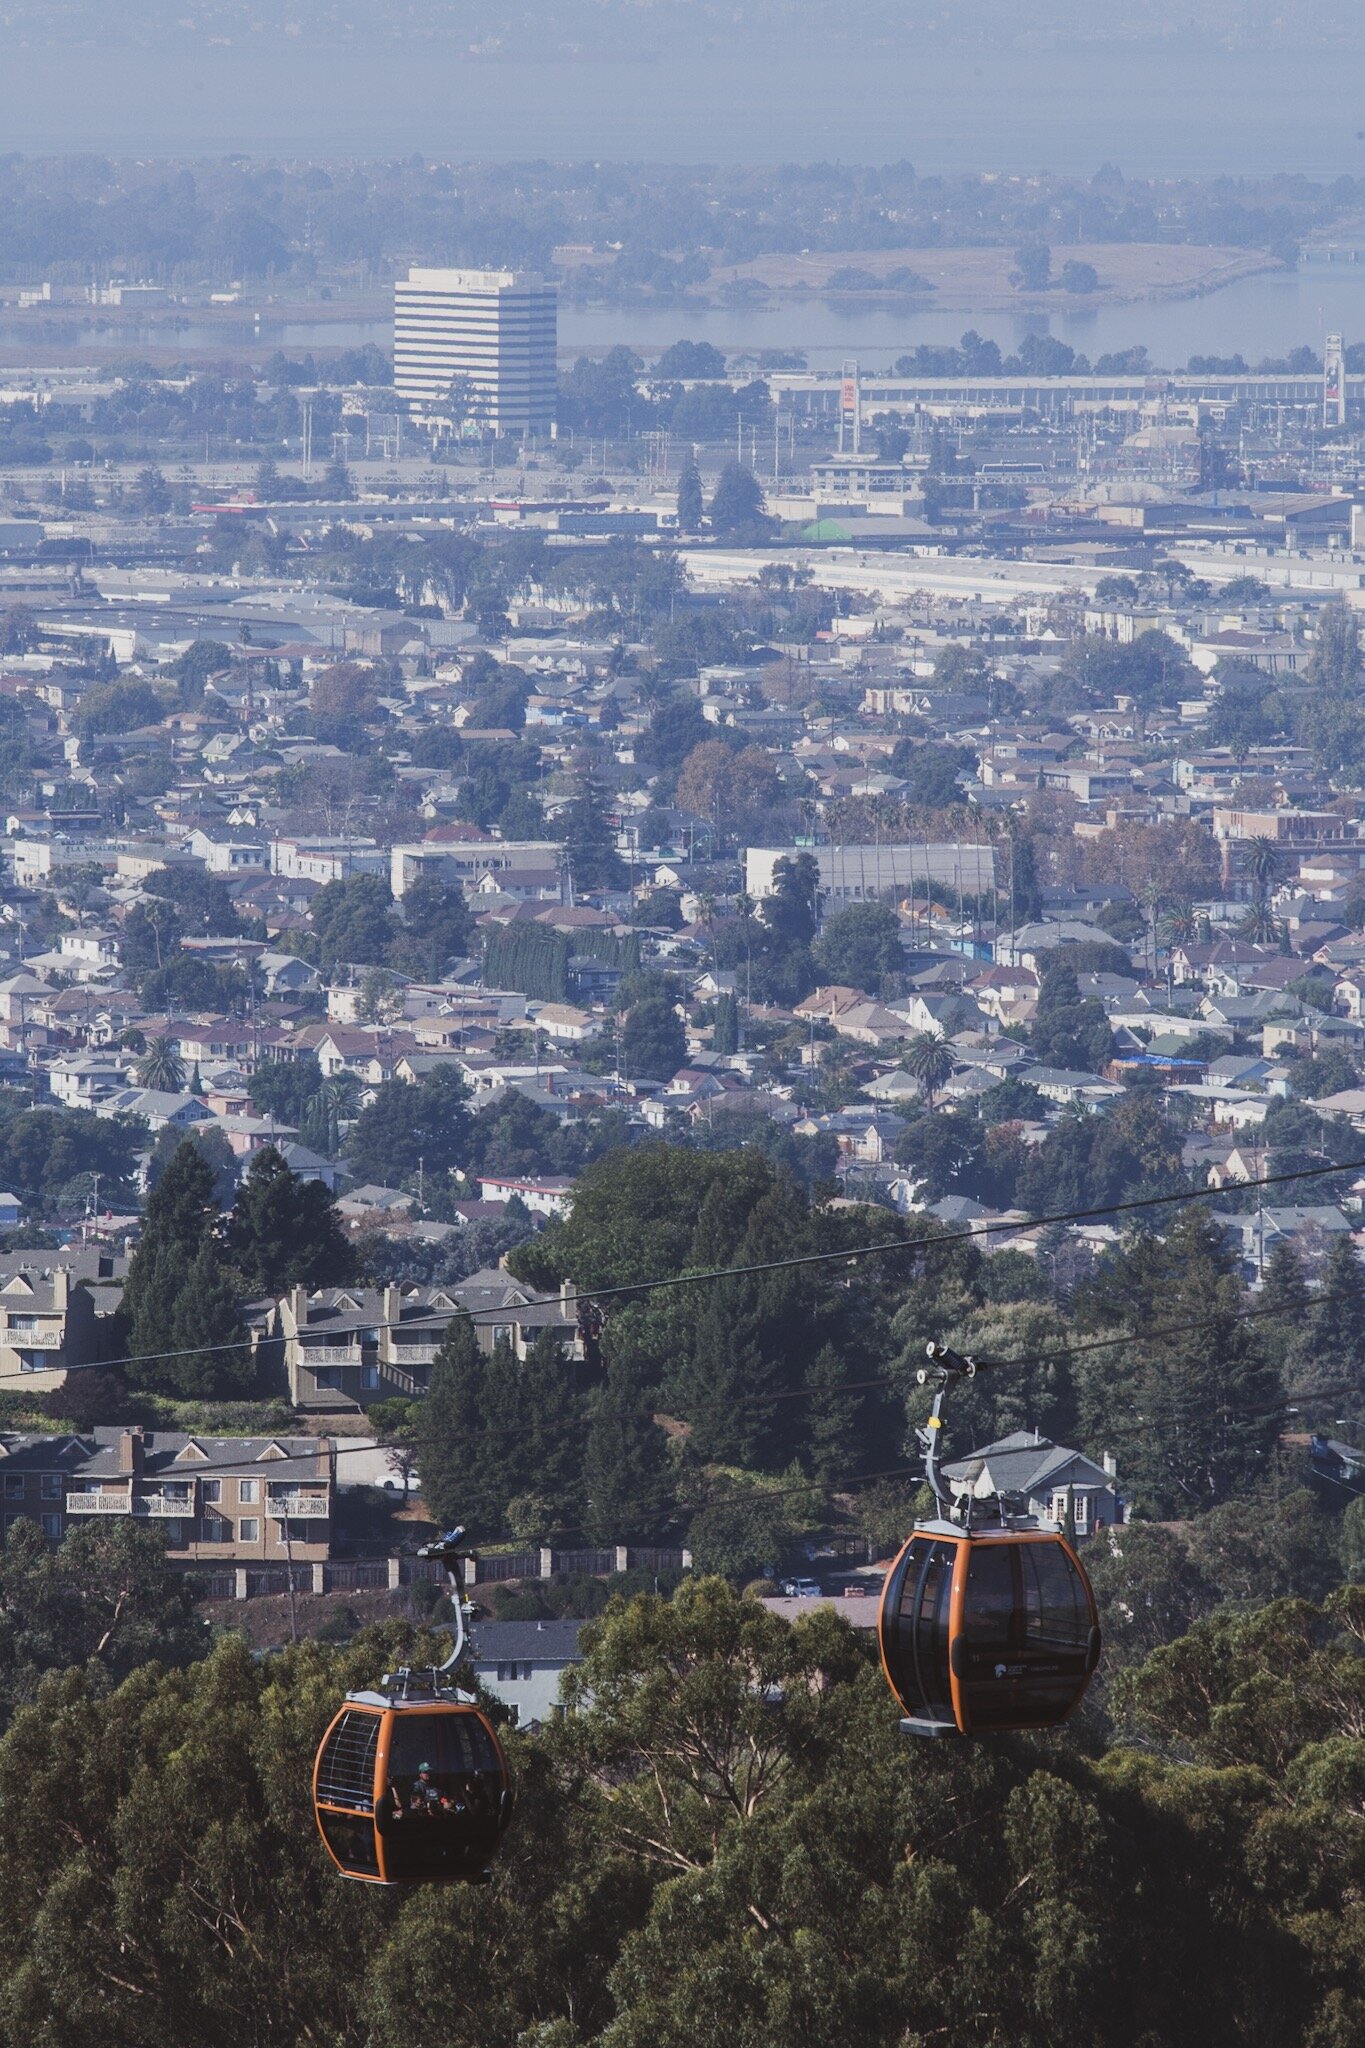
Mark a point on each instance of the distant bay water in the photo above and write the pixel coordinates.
(1263, 315)
(1164, 109)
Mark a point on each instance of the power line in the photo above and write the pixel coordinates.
(590, 1295)
(883, 1381)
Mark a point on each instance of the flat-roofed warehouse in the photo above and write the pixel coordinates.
(497, 329)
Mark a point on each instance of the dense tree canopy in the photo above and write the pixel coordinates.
(284, 1232)
(406, 1127)
(43, 1151)
(727, 1838)
(859, 945)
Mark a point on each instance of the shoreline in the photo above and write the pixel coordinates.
(230, 336)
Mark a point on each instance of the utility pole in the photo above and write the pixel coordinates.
(289, 1574)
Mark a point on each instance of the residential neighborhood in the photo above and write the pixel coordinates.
(976, 910)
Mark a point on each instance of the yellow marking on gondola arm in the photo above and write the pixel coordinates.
(935, 1422)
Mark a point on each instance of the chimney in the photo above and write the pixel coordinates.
(393, 1303)
(1110, 1464)
(131, 1446)
(298, 1307)
(61, 1288)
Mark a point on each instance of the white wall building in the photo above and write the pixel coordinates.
(497, 329)
(326, 860)
(547, 1195)
(471, 862)
(859, 874)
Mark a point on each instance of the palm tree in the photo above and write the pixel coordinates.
(335, 1102)
(744, 905)
(1150, 896)
(1261, 860)
(161, 1067)
(707, 915)
(930, 1060)
(1259, 925)
(1178, 926)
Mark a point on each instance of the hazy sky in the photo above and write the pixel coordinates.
(1203, 85)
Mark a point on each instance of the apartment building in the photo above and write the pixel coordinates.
(47, 1327)
(545, 1194)
(218, 1500)
(344, 1348)
(495, 330)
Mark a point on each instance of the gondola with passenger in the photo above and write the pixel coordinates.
(987, 1621)
(410, 1782)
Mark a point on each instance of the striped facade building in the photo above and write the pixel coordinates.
(495, 328)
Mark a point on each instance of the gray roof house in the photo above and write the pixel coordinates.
(1307, 1225)
(1041, 1475)
(522, 1662)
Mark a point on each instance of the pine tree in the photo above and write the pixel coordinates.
(653, 1040)
(1329, 1353)
(739, 1181)
(1283, 1303)
(551, 1442)
(690, 500)
(830, 1432)
(450, 1433)
(284, 1232)
(1193, 1415)
(626, 1479)
(737, 505)
(214, 1360)
(161, 1276)
(1336, 659)
(181, 1208)
(180, 1220)
(589, 842)
(791, 913)
(725, 1034)
(725, 1389)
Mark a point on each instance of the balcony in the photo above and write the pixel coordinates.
(331, 1354)
(99, 1504)
(299, 1507)
(174, 1507)
(410, 1354)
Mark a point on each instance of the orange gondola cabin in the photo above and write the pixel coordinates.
(411, 1790)
(984, 1629)
(410, 1782)
(987, 1631)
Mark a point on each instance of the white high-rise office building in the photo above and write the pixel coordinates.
(496, 329)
